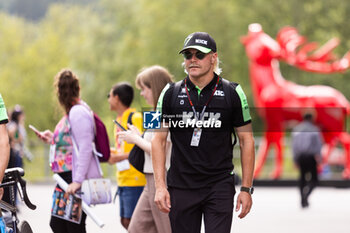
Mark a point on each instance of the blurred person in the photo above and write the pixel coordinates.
(307, 143)
(147, 217)
(200, 180)
(4, 142)
(79, 124)
(130, 181)
(18, 136)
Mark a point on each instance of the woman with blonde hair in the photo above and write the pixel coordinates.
(146, 217)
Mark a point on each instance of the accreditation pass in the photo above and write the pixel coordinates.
(196, 137)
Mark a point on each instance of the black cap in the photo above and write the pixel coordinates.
(201, 41)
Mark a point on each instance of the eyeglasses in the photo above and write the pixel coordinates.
(188, 55)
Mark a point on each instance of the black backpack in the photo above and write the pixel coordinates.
(136, 155)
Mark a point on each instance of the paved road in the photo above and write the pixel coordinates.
(275, 210)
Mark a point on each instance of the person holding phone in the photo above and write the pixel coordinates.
(76, 123)
(147, 217)
(130, 181)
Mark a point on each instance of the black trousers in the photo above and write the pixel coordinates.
(59, 225)
(308, 169)
(214, 203)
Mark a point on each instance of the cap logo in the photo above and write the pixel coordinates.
(199, 41)
(188, 39)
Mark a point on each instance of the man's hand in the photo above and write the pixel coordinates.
(244, 199)
(162, 200)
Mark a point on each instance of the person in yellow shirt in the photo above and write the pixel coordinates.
(130, 181)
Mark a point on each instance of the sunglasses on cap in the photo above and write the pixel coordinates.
(188, 55)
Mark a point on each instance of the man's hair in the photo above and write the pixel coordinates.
(67, 88)
(156, 78)
(125, 93)
(217, 69)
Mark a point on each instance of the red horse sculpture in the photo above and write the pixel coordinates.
(279, 101)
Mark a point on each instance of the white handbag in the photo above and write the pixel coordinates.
(96, 191)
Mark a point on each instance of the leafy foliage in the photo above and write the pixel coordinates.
(108, 41)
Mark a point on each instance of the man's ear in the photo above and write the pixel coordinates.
(116, 97)
(213, 58)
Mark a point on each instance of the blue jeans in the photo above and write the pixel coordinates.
(128, 197)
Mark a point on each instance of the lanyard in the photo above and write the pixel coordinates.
(206, 104)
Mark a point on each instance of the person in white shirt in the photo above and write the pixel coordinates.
(147, 217)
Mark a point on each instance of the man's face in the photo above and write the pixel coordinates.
(197, 67)
(112, 100)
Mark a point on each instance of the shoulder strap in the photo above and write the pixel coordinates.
(90, 112)
(226, 87)
(130, 118)
(176, 89)
(75, 146)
